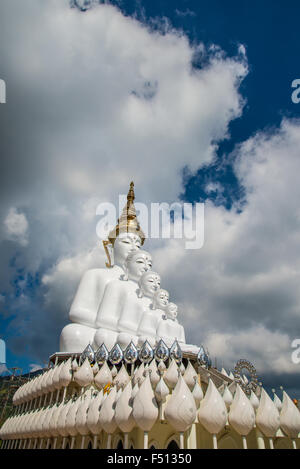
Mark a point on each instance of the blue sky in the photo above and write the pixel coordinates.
(59, 131)
(269, 31)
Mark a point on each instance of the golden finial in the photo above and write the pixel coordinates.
(127, 223)
(130, 195)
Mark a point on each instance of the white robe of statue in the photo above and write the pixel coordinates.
(88, 298)
(121, 310)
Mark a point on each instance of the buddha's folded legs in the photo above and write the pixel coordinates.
(124, 339)
(75, 337)
(150, 339)
(105, 336)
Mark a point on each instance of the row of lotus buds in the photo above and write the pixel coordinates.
(60, 376)
(111, 399)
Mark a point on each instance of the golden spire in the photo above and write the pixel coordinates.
(128, 222)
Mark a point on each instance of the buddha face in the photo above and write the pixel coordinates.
(171, 311)
(124, 244)
(137, 264)
(161, 299)
(149, 283)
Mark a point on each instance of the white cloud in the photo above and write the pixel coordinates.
(61, 280)
(16, 226)
(90, 75)
(270, 351)
(34, 367)
(97, 100)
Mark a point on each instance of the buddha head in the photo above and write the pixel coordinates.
(137, 263)
(161, 299)
(125, 244)
(171, 311)
(149, 283)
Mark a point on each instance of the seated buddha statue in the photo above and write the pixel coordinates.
(138, 304)
(154, 313)
(126, 237)
(121, 309)
(123, 301)
(168, 328)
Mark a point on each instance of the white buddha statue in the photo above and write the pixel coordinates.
(154, 313)
(123, 301)
(125, 238)
(149, 284)
(121, 310)
(133, 312)
(168, 328)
